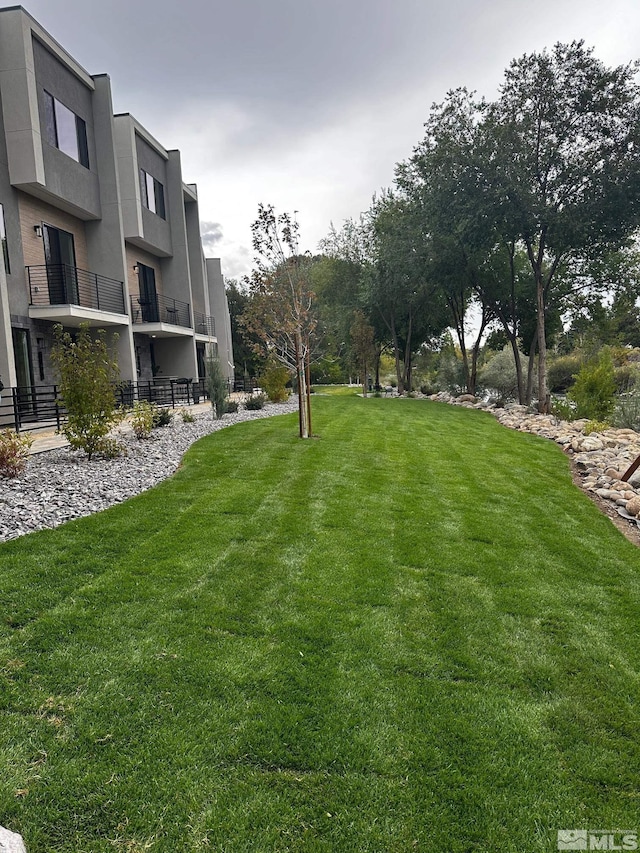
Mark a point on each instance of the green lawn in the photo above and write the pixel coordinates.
(412, 633)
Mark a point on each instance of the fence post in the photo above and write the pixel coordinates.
(16, 409)
(57, 407)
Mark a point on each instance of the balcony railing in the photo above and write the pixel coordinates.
(204, 325)
(62, 284)
(160, 309)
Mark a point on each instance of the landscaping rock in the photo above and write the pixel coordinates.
(633, 506)
(11, 842)
(62, 484)
(600, 457)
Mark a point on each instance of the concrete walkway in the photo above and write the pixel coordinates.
(49, 439)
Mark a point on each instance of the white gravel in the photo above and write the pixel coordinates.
(62, 484)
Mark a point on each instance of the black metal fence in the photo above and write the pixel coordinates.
(62, 284)
(32, 408)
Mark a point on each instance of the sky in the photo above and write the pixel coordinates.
(308, 105)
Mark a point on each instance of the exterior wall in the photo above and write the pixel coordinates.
(199, 293)
(35, 212)
(220, 310)
(176, 272)
(100, 205)
(134, 256)
(65, 178)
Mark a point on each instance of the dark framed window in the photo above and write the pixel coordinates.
(152, 194)
(65, 130)
(3, 240)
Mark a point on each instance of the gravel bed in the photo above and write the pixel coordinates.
(62, 484)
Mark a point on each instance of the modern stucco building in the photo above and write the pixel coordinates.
(96, 223)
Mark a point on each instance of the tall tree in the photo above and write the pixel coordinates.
(561, 161)
(441, 179)
(246, 353)
(362, 341)
(398, 285)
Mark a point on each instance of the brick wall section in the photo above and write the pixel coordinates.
(135, 255)
(35, 212)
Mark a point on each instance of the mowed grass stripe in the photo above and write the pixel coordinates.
(410, 633)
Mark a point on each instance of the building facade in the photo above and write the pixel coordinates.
(97, 226)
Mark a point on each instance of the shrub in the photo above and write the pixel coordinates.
(563, 409)
(232, 407)
(595, 388)
(274, 381)
(255, 402)
(14, 452)
(595, 426)
(142, 419)
(187, 417)
(627, 377)
(499, 374)
(450, 375)
(88, 375)
(627, 412)
(561, 372)
(162, 418)
(216, 386)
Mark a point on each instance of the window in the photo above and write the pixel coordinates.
(65, 130)
(152, 194)
(3, 240)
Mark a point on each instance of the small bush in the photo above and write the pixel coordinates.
(216, 385)
(142, 419)
(627, 412)
(14, 452)
(187, 417)
(563, 409)
(274, 381)
(162, 418)
(595, 426)
(88, 374)
(499, 374)
(627, 377)
(561, 372)
(595, 388)
(255, 402)
(232, 407)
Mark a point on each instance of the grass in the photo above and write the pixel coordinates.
(412, 633)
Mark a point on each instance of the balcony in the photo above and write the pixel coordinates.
(204, 325)
(71, 296)
(161, 316)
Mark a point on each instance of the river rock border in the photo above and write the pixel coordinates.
(599, 459)
(62, 484)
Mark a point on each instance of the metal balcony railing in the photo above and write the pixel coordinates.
(62, 284)
(160, 309)
(204, 324)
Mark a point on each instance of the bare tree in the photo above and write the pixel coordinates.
(279, 313)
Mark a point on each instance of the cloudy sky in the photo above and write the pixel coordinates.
(308, 104)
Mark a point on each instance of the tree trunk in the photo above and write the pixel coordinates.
(396, 353)
(308, 382)
(302, 386)
(513, 340)
(473, 375)
(530, 367)
(543, 398)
